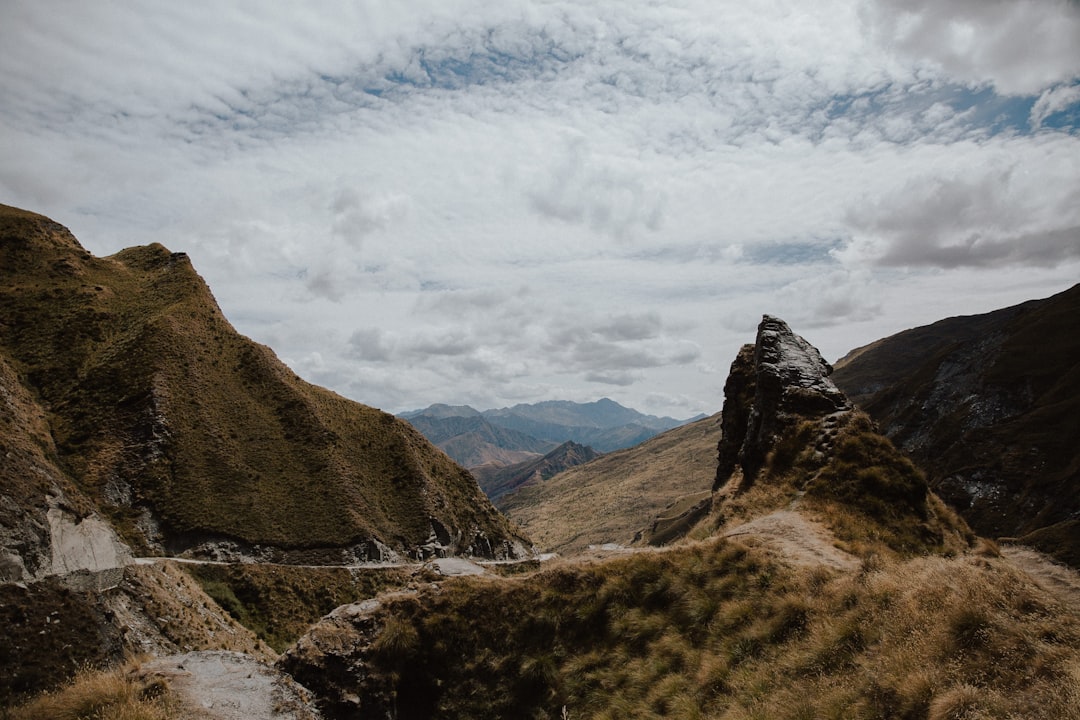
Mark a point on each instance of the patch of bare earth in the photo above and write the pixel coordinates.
(796, 539)
(1060, 580)
(217, 685)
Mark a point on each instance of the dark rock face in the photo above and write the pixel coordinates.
(773, 384)
(989, 406)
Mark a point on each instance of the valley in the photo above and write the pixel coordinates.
(188, 529)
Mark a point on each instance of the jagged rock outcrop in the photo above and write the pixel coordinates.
(773, 384)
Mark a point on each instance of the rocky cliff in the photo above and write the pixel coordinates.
(791, 438)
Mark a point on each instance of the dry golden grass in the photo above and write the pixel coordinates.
(610, 499)
(718, 630)
(115, 694)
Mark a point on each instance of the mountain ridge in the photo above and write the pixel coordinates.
(989, 405)
(192, 438)
(475, 438)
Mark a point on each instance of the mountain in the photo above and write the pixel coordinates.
(525, 432)
(189, 437)
(604, 425)
(989, 405)
(826, 581)
(497, 481)
(473, 441)
(614, 497)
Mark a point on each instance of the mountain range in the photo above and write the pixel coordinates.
(523, 432)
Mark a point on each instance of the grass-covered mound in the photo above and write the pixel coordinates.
(844, 473)
(710, 630)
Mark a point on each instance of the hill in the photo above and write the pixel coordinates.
(989, 405)
(614, 497)
(498, 481)
(827, 581)
(192, 438)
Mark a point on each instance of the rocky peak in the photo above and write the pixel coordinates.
(774, 384)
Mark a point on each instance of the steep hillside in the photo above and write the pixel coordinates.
(612, 498)
(498, 481)
(716, 630)
(989, 405)
(191, 437)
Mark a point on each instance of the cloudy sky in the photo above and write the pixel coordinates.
(489, 203)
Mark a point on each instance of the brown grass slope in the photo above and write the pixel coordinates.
(52, 632)
(612, 498)
(715, 630)
(989, 406)
(186, 431)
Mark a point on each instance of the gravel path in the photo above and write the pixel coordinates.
(797, 539)
(218, 685)
(1060, 580)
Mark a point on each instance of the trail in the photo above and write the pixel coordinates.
(1060, 580)
(218, 685)
(449, 566)
(796, 539)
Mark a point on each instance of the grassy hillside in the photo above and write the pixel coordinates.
(716, 630)
(989, 406)
(614, 497)
(186, 431)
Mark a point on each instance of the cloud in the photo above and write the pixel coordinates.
(1020, 46)
(1053, 101)
(585, 189)
(998, 219)
(372, 344)
(488, 203)
(357, 213)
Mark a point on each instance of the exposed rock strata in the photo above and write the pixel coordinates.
(989, 405)
(775, 383)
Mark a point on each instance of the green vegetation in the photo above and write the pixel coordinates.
(157, 404)
(719, 630)
(279, 602)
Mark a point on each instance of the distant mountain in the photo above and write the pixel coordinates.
(497, 481)
(604, 413)
(473, 441)
(989, 405)
(441, 411)
(604, 425)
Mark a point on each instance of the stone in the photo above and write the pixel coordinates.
(774, 384)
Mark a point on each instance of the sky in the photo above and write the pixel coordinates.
(481, 203)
